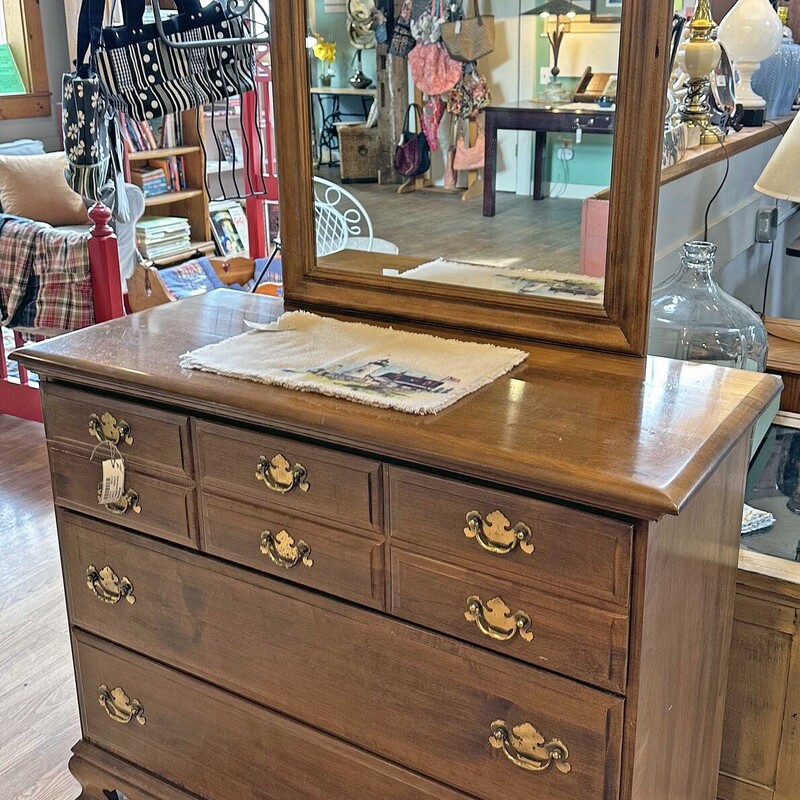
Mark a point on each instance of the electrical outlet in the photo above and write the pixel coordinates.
(767, 224)
(544, 75)
(565, 154)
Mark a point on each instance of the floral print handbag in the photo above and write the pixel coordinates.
(92, 143)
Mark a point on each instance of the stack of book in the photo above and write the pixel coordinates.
(160, 175)
(160, 237)
(151, 180)
(142, 136)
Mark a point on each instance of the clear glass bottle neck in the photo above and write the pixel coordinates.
(699, 259)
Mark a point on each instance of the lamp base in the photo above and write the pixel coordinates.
(554, 92)
(754, 117)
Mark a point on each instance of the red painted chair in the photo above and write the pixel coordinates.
(19, 396)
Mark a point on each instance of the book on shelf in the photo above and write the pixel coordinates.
(160, 176)
(151, 181)
(139, 137)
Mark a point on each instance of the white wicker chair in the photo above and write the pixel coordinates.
(335, 204)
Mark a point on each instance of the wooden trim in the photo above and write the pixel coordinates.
(621, 326)
(700, 157)
(26, 40)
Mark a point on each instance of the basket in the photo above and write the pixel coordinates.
(359, 157)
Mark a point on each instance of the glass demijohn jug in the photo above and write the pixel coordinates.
(693, 319)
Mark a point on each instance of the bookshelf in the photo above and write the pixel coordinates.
(191, 202)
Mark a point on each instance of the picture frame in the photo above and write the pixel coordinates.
(226, 234)
(606, 10)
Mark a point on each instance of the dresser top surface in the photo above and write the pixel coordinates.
(632, 436)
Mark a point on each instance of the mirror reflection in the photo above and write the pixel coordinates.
(465, 142)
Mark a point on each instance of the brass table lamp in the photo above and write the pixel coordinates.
(698, 57)
(555, 91)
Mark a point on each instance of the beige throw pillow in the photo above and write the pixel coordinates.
(35, 187)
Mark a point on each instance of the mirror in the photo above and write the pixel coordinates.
(494, 194)
(512, 192)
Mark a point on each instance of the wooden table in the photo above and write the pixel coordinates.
(527, 116)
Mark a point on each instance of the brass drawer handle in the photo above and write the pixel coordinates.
(495, 620)
(120, 707)
(496, 535)
(282, 550)
(107, 586)
(128, 502)
(107, 429)
(526, 748)
(280, 476)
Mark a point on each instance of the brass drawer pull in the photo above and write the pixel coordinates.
(526, 748)
(128, 502)
(495, 620)
(280, 476)
(496, 535)
(282, 550)
(107, 429)
(120, 707)
(107, 586)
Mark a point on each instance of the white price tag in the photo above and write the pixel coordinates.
(113, 485)
(722, 81)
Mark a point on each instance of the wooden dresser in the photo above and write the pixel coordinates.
(527, 596)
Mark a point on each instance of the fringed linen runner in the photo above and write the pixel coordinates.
(411, 372)
(513, 280)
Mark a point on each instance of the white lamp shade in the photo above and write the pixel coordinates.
(781, 176)
(751, 31)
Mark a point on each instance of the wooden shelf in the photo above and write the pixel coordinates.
(164, 152)
(172, 197)
(699, 157)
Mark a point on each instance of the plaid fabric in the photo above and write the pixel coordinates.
(33, 253)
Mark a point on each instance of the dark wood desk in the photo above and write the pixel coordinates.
(527, 116)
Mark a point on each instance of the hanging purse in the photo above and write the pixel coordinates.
(470, 158)
(427, 29)
(92, 143)
(432, 69)
(470, 95)
(146, 78)
(413, 156)
(402, 42)
(470, 39)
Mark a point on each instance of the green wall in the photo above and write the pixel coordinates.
(592, 163)
(333, 28)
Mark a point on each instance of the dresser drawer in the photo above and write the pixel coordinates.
(344, 563)
(534, 541)
(144, 435)
(560, 635)
(416, 698)
(165, 508)
(290, 476)
(213, 743)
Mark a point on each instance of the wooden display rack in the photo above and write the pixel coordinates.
(191, 203)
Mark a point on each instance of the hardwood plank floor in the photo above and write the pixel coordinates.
(38, 706)
(536, 235)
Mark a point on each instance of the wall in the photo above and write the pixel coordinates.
(333, 28)
(741, 263)
(55, 40)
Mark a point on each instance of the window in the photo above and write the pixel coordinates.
(22, 45)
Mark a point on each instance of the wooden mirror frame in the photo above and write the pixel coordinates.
(620, 326)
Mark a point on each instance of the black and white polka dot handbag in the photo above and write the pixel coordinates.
(145, 78)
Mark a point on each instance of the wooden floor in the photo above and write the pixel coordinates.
(542, 234)
(38, 706)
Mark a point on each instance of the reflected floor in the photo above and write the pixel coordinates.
(541, 234)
